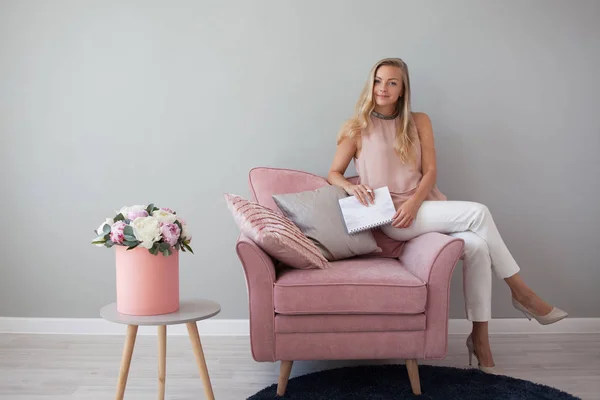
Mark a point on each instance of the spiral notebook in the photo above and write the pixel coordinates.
(360, 218)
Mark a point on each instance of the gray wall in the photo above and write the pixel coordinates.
(110, 103)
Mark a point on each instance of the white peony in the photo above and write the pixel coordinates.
(126, 210)
(164, 217)
(185, 232)
(146, 230)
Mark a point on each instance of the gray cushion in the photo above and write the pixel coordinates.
(317, 213)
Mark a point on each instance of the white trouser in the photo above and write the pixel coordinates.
(484, 249)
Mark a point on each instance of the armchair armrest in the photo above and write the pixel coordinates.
(432, 257)
(260, 277)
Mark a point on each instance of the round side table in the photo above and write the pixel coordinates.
(189, 312)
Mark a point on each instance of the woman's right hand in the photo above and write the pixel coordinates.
(363, 193)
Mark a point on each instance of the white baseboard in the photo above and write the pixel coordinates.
(524, 326)
(99, 326)
(240, 327)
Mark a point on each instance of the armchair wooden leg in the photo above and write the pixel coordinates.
(413, 376)
(284, 376)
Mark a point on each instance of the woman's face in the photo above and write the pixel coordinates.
(388, 86)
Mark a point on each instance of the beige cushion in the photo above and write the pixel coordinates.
(317, 213)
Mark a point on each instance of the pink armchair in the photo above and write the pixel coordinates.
(390, 305)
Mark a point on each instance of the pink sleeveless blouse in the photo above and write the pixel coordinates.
(378, 164)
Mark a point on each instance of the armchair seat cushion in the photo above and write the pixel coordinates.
(364, 285)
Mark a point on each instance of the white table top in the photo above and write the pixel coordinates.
(189, 310)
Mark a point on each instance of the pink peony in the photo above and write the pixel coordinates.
(168, 210)
(170, 233)
(132, 215)
(116, 232)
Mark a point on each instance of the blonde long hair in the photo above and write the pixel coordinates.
(360, 122)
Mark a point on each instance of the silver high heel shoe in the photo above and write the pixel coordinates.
(553, 316)
(488, 370)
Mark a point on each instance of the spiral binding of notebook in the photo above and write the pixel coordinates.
(372, 226)
(359, 218)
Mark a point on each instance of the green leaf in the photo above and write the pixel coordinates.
(130, 243)
(178, 224)
(128, 230)
(164, 246)
(130, 238)
(166, 252)
(99, 241)
(109, 244)
(119, 217)
(106, 228)
(154, 249)
(150, 208)
(188, 247)
(133, 246)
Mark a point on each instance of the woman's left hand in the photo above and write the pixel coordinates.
(406, 214)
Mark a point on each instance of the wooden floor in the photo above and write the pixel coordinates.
(69, 367)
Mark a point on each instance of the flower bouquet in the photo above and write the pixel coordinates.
(153, 228)
(147, 284)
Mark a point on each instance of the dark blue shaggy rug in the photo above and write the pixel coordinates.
(385, 382)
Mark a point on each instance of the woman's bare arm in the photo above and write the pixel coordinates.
(343, 155)
(428, 156)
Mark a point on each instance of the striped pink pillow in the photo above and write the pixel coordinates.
(275, 234)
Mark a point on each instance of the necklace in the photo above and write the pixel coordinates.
(382, 116)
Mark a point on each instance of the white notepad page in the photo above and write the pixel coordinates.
(359, 217)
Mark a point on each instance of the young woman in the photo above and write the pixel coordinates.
(393, 146)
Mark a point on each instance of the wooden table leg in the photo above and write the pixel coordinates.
(126, 360)
(200, 361)
(162, 360)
